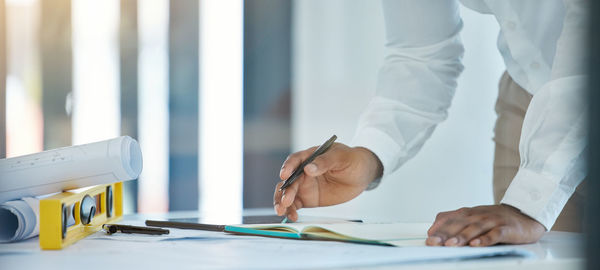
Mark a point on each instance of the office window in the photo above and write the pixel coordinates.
(221, 78)
(23, 89)
(96, 96)
(153, 23)
(171, 74)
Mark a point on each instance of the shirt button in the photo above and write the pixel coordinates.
(511, 25)
(535, 195)
(535, 65)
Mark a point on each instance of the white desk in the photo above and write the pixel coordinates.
(215, 250)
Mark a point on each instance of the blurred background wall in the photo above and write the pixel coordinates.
(78, 71)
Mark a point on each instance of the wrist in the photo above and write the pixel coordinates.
(527, 217)
(373, 165)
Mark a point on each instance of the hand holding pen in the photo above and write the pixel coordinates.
(321, 176)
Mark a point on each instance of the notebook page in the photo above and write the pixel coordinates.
(398, 234)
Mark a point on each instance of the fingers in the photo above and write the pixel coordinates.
(293, 161)
(283, 200)
(494, 236)
(320, 165)
(293, 210)
(292, 213)
(277, 199)
(334, 159)
(445, 235)
(440, 219)
(473, 230)
(484, 226)
(289, 194)
(446, 226)
(305, 188)
(461, 227)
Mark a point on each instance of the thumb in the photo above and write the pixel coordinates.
(322, 164)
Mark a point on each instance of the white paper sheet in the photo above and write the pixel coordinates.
(217, 250)
(104, 162)
(194, 249)
(191, 249)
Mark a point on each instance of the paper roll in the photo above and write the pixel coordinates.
(104, 162)
(19, 219)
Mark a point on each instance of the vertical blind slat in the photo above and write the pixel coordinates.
(56, 57)
(183, 105)
(2, 79)
(128, 62)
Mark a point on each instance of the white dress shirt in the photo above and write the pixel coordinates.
(542, 44)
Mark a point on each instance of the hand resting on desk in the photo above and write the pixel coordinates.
(342, 173)
(484, 226)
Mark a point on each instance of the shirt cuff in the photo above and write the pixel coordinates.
(537, 195)
(378, 142)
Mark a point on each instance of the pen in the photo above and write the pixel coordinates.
(298, 171)
(186, 225)
(113, 228)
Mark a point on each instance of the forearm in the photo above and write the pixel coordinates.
(554, 136)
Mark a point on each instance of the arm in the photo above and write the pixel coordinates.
(416, 82)
(416, 85)
(552, 150)
(553, 139)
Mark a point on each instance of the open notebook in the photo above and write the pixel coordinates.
(388, 234)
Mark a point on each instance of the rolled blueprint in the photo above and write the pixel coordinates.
(104, 162)
(19, 219)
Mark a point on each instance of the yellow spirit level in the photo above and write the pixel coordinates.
(68, 217)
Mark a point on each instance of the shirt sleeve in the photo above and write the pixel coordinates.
(553, 139)
(416, 82)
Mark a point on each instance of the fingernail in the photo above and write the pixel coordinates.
(275, 208)
(434, 240)
(476, 242)
(451, 242)
(283, 198)
(311, 167)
